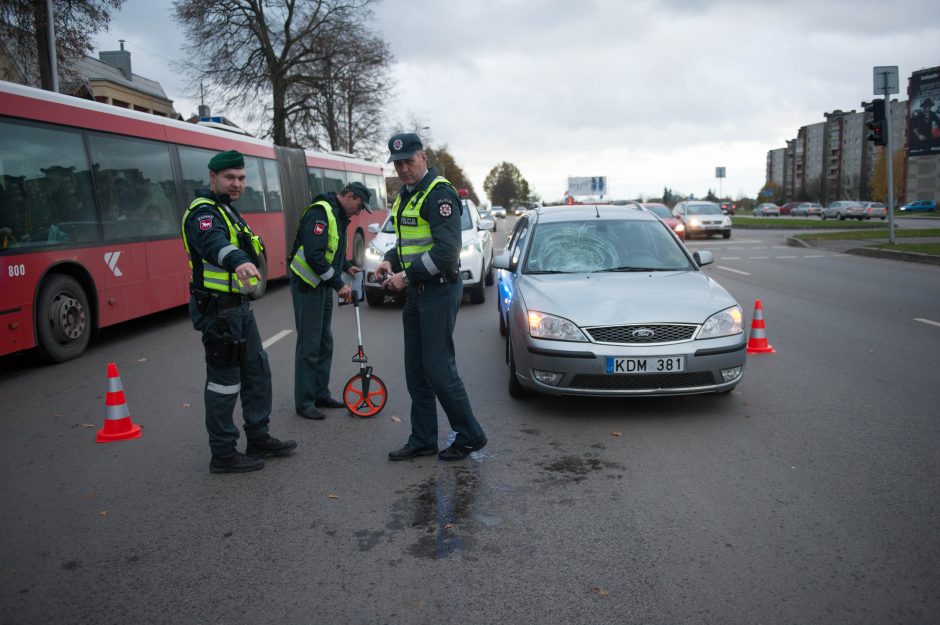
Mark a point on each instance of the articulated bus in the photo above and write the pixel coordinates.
(91, 202)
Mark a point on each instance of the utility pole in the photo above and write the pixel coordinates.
(886, 84)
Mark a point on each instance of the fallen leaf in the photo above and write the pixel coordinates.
(103, 513)
(141, 359)
(600, 592)
(448, 526)
(184, 405)
(83, 425)
(616, 434)
(332, 496)
(396, 419)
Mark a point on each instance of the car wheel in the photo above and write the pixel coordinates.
(63, 319)
(726, 235)
(359, 250)
(840, 217)
(515, 389)
(478, 290)
(375, 298)
(489, 274)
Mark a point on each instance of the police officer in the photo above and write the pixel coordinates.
(317, 261)
(223, 254)
(425, 265)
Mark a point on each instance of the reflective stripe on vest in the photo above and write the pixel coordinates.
(298, 263)
(414, 240)
(215, 277)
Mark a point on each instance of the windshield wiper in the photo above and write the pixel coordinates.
(628, 269)
(543, 271)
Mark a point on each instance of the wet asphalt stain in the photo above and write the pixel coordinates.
(578, 468)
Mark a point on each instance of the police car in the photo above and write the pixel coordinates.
(476, 254)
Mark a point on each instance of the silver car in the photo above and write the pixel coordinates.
(844, 209)
(702, 218)
(807, 209)
(605, 301)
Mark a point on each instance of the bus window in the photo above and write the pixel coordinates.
(374, 183)
(315, 177)
(195, 165)
(273, 193)
(252, 198)
(136, 190)
(333, 181)
(45, 187)
(354, 176)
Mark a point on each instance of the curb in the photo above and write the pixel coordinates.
(873, 252)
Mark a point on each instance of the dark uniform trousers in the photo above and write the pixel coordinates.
(250, 378)
(429, 315)
(313, 355)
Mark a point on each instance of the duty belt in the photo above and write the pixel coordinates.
(220, 301)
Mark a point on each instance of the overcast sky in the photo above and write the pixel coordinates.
(647, 93)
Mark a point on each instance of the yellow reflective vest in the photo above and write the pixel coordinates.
(414, 232)
(215, 278)
(298, 263)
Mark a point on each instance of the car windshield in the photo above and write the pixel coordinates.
(704, 209)
(659, 210)
(389, 225)
(603, 245)
(466, 222)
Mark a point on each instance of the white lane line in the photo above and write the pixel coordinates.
(788, 257)
(743, 273)
(815, 256)
(760, 258)
(277, 337)
(933, 323)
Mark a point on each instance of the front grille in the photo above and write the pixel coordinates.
(624, 334)
(647, 382)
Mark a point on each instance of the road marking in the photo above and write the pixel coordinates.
(743, 273)
(760, 257)
(788, 257)
(815, 256)
(933, 323)
(274, 339)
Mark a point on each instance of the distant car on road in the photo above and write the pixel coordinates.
(875, 210)
(700, 217)
(662, 211)
(807, 209)
(919, 206)
(844, 209)
(727, 207)
(487, 213)
(498, 211)
(789, 206)
(766, 210)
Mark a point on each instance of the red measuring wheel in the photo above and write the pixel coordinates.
(365, 394)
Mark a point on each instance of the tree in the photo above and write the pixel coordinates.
(448, 167)
(879, 177)
(24, 32)
(505, 186)
(255, 51)
(772, 192)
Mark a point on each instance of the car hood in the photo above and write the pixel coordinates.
(383, 241)
(624, 298)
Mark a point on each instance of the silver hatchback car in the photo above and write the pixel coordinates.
(844, 209)
(605, 301)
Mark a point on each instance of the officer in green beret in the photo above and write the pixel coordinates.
(224, 255)
(425, 264)
(317, 262)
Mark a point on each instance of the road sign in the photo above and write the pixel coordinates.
(886, 80)
(719, 172)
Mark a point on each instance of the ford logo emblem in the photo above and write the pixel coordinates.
(643, 333)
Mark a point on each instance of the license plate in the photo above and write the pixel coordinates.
(653, 364)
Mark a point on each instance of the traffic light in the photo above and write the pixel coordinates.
(876, 125)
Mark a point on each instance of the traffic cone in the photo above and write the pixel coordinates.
(757, 343)
(117, 420)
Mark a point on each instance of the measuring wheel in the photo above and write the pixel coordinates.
(365, 394)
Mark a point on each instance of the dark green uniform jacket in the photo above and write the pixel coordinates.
(313, 234)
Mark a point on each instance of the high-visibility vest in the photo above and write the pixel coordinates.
(298, 263)
(414, 232)
(215, 278)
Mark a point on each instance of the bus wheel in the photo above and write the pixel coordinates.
(262, 287)
(359, 250)
(63, 323)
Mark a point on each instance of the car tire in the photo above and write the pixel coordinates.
(478, 290)
(515, 388)
(375, 298)
(262, 287)
(489, 274)
(64, 319)
(840, 217)
(726, 235)
(359, 250)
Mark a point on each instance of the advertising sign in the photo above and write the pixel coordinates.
(592, 185)
(924, 138)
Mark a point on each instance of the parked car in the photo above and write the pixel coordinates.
(727, 207)
(702, 218)
(919, 206)
(766, 210)
(875, 210)
(476, 255)
(844, 209)
(571, 330)
(499, 211)
(789, 206)
(662, 211)
(807, 209)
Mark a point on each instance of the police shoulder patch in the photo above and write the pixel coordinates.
(445, 209)
(319, 227)
(205, 222)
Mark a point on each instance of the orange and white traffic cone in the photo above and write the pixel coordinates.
(117, 420)
(757, 343)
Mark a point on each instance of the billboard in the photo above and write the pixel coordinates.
(587, 185)
(924, 137)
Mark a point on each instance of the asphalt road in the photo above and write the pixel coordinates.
(808, 495)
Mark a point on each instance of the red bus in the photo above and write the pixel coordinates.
(91, 202)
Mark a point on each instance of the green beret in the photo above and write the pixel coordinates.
(232, 159)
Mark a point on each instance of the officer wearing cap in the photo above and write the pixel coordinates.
(425, 265)
(223, 255)
(317, 261)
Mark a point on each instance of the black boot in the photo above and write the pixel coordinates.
(234, 462)
(267, 445)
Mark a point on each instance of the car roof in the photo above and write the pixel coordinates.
(554, 214)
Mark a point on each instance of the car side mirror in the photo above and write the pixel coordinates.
(703, 257)
(503, 261)
(374, 228)
(487, 224)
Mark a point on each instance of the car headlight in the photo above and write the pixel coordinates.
(725, 323)
(543, 326)
(373, 253)
(469, 248)
(726, 221)
(695, 223)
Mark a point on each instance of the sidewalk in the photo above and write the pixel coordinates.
(857, 247)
